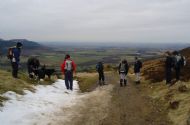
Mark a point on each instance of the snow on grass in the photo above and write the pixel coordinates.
(38, 108)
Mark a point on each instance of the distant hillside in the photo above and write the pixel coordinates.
(154, 70)
(27, 45)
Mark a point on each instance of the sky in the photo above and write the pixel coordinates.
(96, 20)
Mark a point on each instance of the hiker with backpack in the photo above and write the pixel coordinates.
(123, 71)
(179, 62)
(68, 67)
(32, 65)
(100, 70)
(14, 56)
(137, 69)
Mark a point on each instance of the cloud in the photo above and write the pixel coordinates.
(96, 20)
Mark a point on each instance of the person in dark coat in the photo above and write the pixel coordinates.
(169, 64)
(100, 70)
(33, 65)
(137, 69)
(14, 56)
(123, 71)
(178, 64)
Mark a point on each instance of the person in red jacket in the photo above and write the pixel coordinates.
(68, 68)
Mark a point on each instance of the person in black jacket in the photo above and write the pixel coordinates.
(123, 70)
(33, 65)
(137, 69)
(169, 64)
(100, 70)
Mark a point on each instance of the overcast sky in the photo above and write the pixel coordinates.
(96, 20)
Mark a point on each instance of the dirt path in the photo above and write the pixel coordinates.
(132, 106)
(115, 105)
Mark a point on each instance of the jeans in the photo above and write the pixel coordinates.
(69, 80)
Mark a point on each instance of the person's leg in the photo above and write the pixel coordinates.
(66, 80)
(71, 80)
(136, 77)
(168, 76)
(121, 79)
(100, 77)
(103, 78)
(14, 69)
(139, 77)
(125, 81)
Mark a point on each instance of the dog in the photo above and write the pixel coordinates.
(41, 73)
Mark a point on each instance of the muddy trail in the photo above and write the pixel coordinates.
(115, 105)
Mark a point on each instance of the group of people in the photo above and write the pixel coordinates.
(174, 61)
(123, 69)
(68, 67)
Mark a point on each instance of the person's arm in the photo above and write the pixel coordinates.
(74, 66)
(119, 68)
(63, 67)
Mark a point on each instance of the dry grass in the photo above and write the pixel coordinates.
(87, 81)
(168, 94)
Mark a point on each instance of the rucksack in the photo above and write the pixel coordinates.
(99, 67)
(10, 53)
(68, 65)
(122, 68)
(183, 61)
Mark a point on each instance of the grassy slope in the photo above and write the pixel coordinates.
(153, 70)
(165, 94)
(87, 81)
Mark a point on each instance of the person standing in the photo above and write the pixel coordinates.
(14, 56)
(123, 71)
(100, 70)
(169, 63)
(179, 62)
(68, 67)
(137, 68)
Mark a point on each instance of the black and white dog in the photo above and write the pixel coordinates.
(41, 73)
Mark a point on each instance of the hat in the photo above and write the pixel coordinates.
(19, 44)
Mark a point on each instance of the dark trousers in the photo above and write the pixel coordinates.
(101, 76)
(69, 80)
(14, 69)
(177, 73)
(168, 75)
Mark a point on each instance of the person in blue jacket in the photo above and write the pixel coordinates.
(14, 56)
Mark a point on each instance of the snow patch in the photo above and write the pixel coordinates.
(36, 108)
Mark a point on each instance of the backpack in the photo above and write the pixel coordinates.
(68, 65)
(122, 68)
(183, 61)
(10, 53)
(99, 67)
